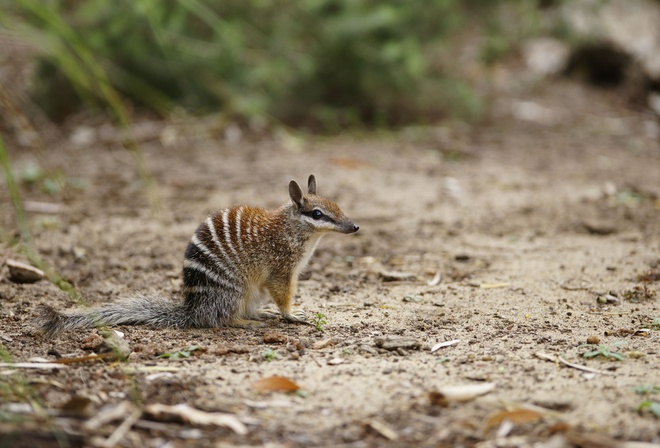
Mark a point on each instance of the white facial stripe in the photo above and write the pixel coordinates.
(320, 224)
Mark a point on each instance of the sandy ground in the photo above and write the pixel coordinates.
(528, 222)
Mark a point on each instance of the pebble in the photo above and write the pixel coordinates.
(274, 337)
(392, 276)
(318, 345)
(593, 340)
(92, 342)
(608, 299)
(23, 273)
(117, 344)
(397, 342)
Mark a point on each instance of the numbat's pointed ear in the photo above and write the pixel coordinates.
(311, 184)
(296, 193)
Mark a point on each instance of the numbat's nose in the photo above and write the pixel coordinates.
(352, 228)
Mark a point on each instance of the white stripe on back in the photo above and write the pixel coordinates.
(225, 225)
(206, 251)
(191, 264)
(216, 240)
(239, 214)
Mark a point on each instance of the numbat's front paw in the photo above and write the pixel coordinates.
(269, 313)
(295, 316)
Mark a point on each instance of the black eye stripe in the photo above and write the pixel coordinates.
(323, 216)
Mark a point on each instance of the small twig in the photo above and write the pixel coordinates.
(32, 365)
(107, 415)
(43, 207)
(122, 429)
(440, 345)
(111, 355)
(315, 360)
(569, 364)
(585, 287)
(608, 314)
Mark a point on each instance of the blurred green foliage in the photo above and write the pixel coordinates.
(326, 63)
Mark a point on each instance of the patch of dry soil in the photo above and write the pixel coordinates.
(528, 225)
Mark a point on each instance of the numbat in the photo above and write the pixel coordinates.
(235, 261)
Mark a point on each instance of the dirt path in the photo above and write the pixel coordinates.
(527, 223)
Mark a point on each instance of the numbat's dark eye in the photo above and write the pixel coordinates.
(317, 214)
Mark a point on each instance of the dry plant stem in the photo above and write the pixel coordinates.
(111, 355)
(26, 238)
(122, 429)
(561, 360)
(12, 187)
(87, 75)
(32, 365)
(106, 416)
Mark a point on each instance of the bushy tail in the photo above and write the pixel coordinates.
(138, 310)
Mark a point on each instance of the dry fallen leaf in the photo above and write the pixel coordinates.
(23, 273)
(335, 361)
(591, 440)
(464, 392)
(518, 416)
(440, 345)
(382, 429)
(275, 384)
(436, 280)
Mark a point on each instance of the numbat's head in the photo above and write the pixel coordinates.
(316, 213)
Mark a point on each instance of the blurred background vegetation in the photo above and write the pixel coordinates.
(318, 64)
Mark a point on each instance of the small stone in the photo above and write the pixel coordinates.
(23, 273)
(115, 343)
(397, 342)
(392, 276)
(79, 253)
(335, 361)
(223, 350)
(593, 340)
(318, 345)
(599, 228)
(92, 342)
(608, 299)
(367, 349)
(274, 337)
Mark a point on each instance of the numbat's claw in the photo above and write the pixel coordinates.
(296, 316)
(268, 313)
